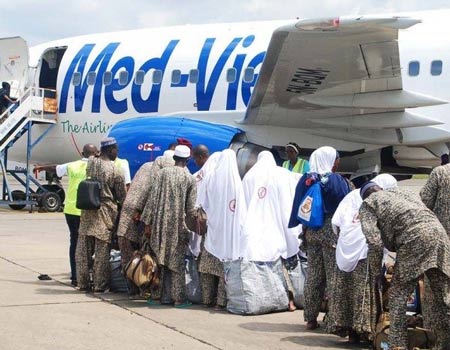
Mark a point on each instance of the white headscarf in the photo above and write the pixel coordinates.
(270, 191)
(255, 176)
(352, 245)
(224, 203)
(322, 160)
(385, 181)
(200, 176)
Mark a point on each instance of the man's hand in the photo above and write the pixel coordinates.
(136, 216)
(147, 232)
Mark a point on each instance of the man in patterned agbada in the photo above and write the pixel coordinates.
(168, 211)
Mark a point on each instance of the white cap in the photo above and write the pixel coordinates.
(169, 153)
(182, 151)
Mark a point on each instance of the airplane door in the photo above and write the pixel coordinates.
(14, 63)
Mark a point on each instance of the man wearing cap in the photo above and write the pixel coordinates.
(401, 223)
(294, 162)
(76, 171)
(96, 226)
(128, 231)
(168, 211)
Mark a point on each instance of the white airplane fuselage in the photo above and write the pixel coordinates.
(189, 70)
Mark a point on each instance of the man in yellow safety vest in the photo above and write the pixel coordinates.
(76, 171)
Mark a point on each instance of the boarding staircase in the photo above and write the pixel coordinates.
(36, 106)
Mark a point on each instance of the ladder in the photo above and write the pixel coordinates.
(34, 107)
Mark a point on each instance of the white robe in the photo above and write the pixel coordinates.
(224, 204)
(270, 191)
(352, 246)
(200, 176)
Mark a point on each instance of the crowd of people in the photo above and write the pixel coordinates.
(266, 216)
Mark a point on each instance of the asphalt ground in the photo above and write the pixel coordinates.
(52, 314)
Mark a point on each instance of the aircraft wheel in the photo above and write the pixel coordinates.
(50, 201)
(17, 195)
(53, 188)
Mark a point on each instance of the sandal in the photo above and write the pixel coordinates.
(44, 277)
(184, 305)
(151, 302)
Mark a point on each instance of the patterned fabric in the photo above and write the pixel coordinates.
(399, 221)
(136, 197)
(173, 285)
(213, 290)
(88, 246)
(208, 263)
(320, 248)
(436, 193)
(398, 295)
(355, 306)
(169, 208)
(101, 223)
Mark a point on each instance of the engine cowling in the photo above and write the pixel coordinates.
(143, 139)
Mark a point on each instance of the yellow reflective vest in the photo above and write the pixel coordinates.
(76, 171)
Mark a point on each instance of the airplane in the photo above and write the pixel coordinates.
(374, 87)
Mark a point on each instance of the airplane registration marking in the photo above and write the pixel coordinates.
(307, 81)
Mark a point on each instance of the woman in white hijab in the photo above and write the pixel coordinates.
(320, 243)
(200, 176)
(224, 203)
(353, 292)
(269, 193)
(210, 267)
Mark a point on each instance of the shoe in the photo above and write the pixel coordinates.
(74, 283)
(311, 325)
(151, 302)
(44, 277)
(184, 305)
(100, 291)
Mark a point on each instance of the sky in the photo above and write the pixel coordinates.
(46, 20)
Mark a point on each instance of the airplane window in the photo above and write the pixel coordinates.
(123, 78)
(193, 76)
(436, 67)
(157, 77)
(231, 75)
(107, 78)
(139, 78)
(414, 68)
(76, 78)
(176, 76)
(249, 73)
(91, 78)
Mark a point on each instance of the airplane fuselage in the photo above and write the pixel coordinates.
(204, 72)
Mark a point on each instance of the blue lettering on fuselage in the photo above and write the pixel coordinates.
(205, 86)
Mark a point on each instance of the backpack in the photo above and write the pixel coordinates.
(310, 212)
(89, 190)
(88, 195)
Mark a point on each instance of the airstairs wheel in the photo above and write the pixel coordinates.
(17, 195)
(50, 201)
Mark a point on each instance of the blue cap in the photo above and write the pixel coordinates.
(108, 142)
(366, 187)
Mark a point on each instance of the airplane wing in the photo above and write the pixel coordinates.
(341, 78)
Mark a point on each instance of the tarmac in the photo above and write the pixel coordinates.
(52, 314)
